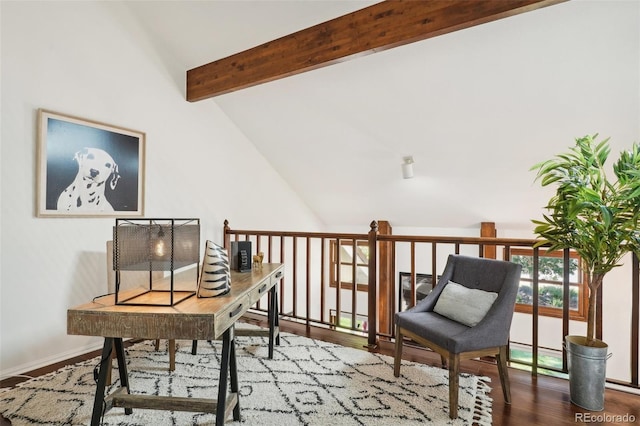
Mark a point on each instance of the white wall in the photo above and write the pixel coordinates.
(89, 59)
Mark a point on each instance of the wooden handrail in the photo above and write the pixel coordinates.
(459, 240)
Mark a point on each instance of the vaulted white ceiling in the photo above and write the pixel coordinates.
(476, 108)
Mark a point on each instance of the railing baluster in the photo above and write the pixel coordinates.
(308, 283)
(372, 340)
(535, 309)
(434, 265)
(282, 281)
(506, 255)
(338, 262)
(566, 289)
(413, 274)
(323, 283)
(354, 279)
(635, 319)
(295, 277)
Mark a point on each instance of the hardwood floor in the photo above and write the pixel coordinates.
(535, 401)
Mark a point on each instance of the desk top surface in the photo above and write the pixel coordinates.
(102, 317)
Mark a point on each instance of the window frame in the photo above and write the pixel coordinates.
(579, 314)
(333, 254)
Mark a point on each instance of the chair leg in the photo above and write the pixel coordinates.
(172, 354)
(454, 367)
(443, 359)
(398, 352)
(504, 374)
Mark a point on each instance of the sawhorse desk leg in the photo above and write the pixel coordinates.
(228, 368)
(274, 319)
(105, 359)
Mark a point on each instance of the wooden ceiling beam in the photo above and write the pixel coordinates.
(375, 28)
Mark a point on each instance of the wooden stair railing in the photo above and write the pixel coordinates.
(314, 290)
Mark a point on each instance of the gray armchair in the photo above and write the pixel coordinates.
(447, 326)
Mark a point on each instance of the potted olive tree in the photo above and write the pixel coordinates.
(599, 219)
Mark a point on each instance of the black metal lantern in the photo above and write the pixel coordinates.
(155, 245)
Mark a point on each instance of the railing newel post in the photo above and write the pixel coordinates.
(226, 236)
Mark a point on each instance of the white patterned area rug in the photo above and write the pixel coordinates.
(309, 382)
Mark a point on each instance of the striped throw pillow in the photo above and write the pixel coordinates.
(215, 277)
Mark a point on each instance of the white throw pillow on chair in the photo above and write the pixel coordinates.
(464, 305)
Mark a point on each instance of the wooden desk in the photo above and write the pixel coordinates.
(192, 319)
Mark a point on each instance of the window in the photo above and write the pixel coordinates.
(347, 259)
(550, 292)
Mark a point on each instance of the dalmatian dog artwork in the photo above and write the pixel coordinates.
(96, 170)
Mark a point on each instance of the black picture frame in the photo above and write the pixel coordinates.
(88, 169)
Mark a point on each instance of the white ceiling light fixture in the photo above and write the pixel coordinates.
(407, 167)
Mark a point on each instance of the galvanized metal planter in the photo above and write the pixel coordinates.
(587, 372)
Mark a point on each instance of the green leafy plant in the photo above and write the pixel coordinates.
(590, 214)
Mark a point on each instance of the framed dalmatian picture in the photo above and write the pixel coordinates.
(88, 169)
